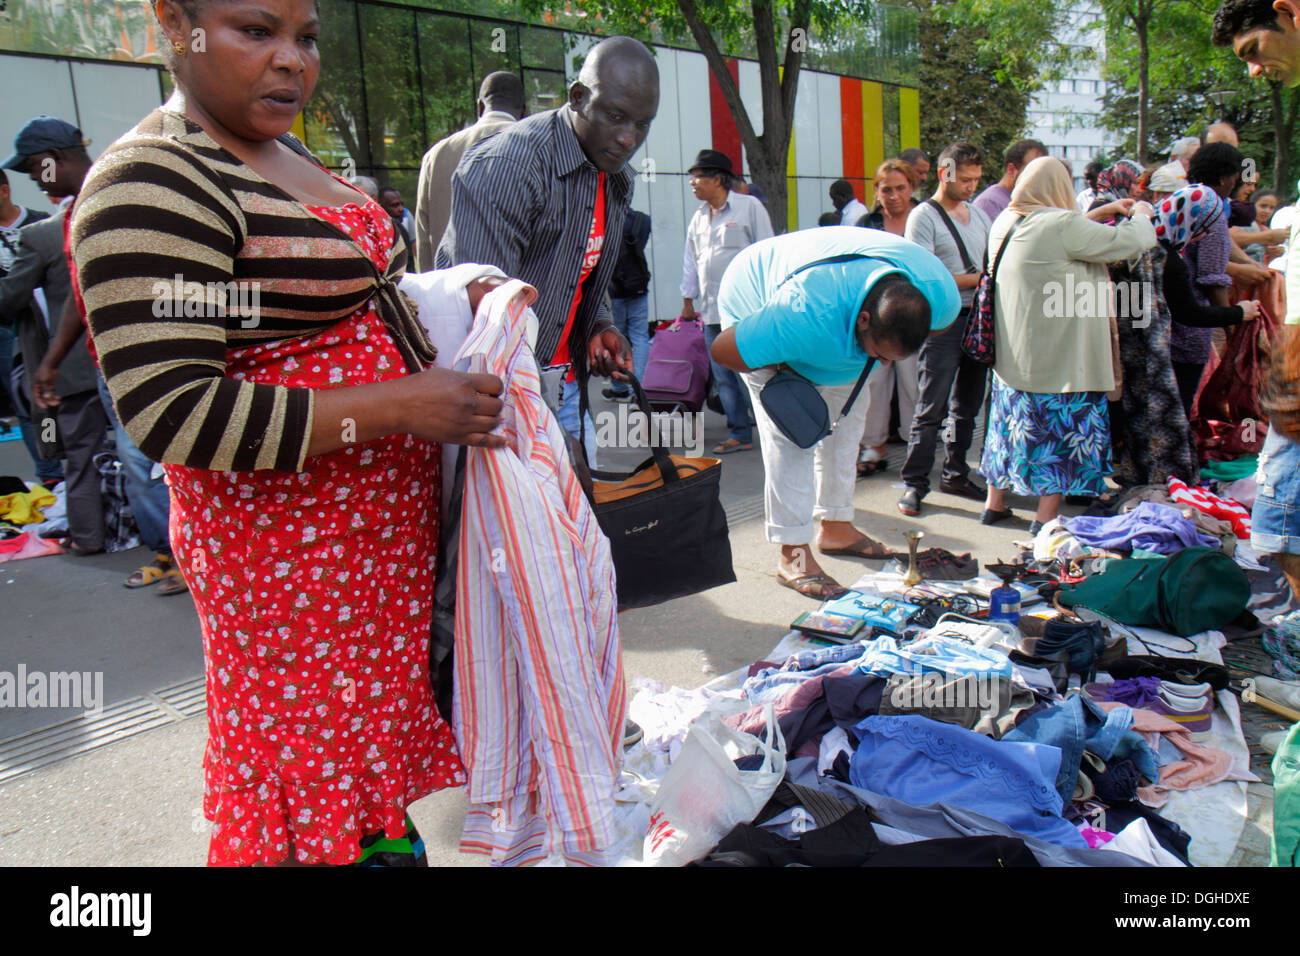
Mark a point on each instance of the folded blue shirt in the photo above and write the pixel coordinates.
(922, 762)
(936, 654)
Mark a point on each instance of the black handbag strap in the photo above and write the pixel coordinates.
(997, 260)
(857, 388)
(667, 470)
(853, 396)
(843, 257)
(956, 236)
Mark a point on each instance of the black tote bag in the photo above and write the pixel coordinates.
(664, 520)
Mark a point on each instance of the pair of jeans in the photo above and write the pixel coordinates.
(1275, 518)
(632, 318)
(150, 501)
(48, 470)
(952, 386)
(1078, 725)
(568, 419)
(731, 392)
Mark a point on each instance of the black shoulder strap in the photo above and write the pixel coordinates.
(295, 144)
(843, 257)
(862, 380)
(997, 260)
(952, 228)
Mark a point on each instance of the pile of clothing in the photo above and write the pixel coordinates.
(1061, 739)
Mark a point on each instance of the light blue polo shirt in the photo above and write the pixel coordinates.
(807, 320)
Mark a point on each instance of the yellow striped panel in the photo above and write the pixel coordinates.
(873, 131)
(909, 118)
(791, 182)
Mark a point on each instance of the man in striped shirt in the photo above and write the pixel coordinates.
(538, 199)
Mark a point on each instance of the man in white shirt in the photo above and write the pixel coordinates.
(1087, 197)
(500, 103)
(725, 223)
(846, 204)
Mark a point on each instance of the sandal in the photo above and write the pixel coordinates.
(173, 582)
(730, 445)
(826, 586)
(866, 468)
(855, 550)
(150, 573)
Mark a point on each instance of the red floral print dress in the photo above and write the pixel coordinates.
(315, 593)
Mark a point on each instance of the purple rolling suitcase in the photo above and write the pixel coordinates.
(677, 373)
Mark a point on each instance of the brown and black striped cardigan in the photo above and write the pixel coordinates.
(165, 201)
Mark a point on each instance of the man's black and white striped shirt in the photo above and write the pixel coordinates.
(523, 201)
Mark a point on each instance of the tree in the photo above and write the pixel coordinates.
(1140, 17)
(780, 32)
(1191, 83)
(981, 63)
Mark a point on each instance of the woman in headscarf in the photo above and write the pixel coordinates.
(1048, 433)
(1157, 442)
(1121, 180)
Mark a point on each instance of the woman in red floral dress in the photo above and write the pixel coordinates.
(299, 441)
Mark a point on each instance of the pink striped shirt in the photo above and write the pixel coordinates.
(540, 696)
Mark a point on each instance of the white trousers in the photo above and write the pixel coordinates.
(804, 485)
(880, 394)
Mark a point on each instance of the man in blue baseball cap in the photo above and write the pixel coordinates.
(53, 154)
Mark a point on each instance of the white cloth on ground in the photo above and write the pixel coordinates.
(1138, 841)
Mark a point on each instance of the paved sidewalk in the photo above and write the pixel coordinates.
(138, 801)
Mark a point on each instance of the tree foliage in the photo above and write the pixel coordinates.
(981, 63)
(1186, 75)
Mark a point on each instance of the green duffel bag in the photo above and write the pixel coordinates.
(1197, 589)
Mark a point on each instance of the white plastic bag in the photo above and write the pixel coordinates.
(704, 794)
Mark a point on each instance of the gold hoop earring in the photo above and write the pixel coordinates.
(179, 47)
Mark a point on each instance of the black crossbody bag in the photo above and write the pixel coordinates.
(793, 403)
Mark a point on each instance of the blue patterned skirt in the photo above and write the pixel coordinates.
(1038, 444)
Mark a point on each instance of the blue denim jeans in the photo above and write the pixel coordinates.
(632, 318)
(150, 501)
(568, 419)
(1275, 519)
(48, 470)
(1078, 725)
(732, 393)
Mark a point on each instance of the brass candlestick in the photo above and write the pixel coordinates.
(913, 576)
